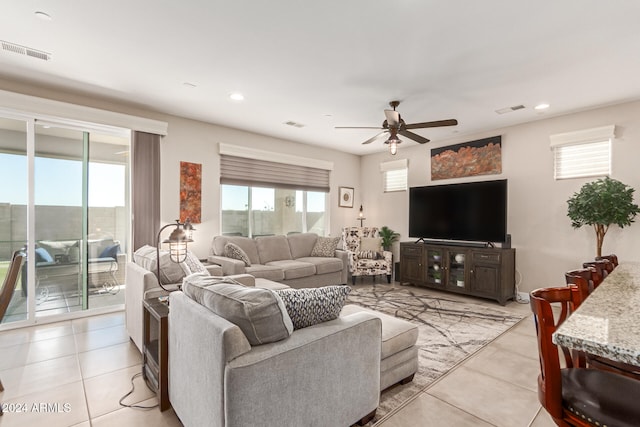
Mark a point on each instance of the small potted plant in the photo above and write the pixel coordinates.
(600, 204)
(388, 237)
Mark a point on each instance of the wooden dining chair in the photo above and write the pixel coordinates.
(603, 266)
(611, 257)
(586, 279)
(8, 288)
(575, 395)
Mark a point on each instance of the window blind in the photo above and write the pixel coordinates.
(254, 172)
(582, 153)
(394, 175)
(582, 160)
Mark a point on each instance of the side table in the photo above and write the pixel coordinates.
(156, 348)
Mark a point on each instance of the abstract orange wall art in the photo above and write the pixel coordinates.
(190, 192)
(481, 157)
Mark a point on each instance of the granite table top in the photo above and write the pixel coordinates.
(607, 323)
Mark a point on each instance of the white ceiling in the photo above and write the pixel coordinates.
(334, 63)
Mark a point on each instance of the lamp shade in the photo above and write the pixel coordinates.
(177, 241)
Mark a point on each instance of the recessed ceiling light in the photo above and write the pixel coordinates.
(541, 106)
(43, 15)
(237, 96)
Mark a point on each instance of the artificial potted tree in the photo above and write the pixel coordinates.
(600, 204)
(388, 237)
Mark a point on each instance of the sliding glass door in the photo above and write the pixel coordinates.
(13, 209)
(72, 220)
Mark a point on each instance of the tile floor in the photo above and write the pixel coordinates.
(73, 373)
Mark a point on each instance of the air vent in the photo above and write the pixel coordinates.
(23, 50)
(510, 109)
(294, 124)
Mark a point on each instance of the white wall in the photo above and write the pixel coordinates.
(546, 244)
(197, 142)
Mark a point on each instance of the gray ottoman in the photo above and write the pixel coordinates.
(399, 354)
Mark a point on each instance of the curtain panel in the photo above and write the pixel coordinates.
(145, 175)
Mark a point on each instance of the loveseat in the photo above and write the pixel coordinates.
(327, 374)
(302, 260)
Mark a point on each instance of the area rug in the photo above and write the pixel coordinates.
(451, 328)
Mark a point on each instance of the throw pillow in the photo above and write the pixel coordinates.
(43, 256)
(192, 264)
(310, 306)
(259, 313)
(231, 250)
(371, 244)
(170, 271)
(111, 251)
(325, 246)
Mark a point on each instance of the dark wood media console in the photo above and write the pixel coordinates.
(477, 271)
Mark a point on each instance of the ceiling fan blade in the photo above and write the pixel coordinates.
(414, 136)
(435, 124)
(393, 117)
(357, 127)
(370, 140)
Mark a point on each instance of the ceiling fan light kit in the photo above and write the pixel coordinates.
(394, 125)
(393, 145)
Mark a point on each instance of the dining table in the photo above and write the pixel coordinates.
(607, 323)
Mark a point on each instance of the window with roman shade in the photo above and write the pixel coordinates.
(584, 153)
(394, 175)
(265, 193)
(242, 166)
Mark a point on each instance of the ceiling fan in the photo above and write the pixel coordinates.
(394, 126)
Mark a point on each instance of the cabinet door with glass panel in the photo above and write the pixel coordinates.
(456, 268)
(436, 267)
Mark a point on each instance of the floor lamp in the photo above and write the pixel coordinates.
(178, 239)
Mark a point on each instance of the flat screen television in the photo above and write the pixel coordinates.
(474, 211)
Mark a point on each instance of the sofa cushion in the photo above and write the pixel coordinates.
(310, 306)
(294, 269)
(301, 244)
(273, 248)
(259, 313)
(231, 250)
(271, 272)
(397, 334)
(248, 246)
(324, 265)
(325, 246)
(170, 271)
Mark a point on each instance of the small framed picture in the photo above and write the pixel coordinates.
(346, 197)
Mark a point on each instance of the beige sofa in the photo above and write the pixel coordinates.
(284, 259)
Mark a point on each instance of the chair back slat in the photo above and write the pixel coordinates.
(10, 280)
